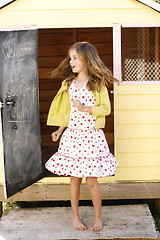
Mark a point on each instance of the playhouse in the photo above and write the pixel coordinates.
(126, 34)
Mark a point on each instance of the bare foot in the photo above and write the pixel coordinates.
(98, 224)
(78, 225)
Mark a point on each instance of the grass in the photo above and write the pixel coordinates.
(9, 205)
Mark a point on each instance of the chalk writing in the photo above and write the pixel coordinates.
(17, 79)
(22, 113)
(11, 52)
(34, 89)
(21, 89)
(20, 121)
(19, 143)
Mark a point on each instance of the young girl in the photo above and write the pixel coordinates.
(81, 105)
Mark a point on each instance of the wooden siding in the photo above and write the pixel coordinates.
(66, 14)
(53, 48)
(137, 132)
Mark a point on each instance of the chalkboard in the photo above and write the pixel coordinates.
(20, 113)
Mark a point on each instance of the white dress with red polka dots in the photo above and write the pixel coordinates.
(83, 151)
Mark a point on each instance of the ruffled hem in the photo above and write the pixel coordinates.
(82, 167)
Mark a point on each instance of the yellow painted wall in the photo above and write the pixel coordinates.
(137, 132)
(70, 13)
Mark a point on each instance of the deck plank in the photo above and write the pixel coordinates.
(45, 191)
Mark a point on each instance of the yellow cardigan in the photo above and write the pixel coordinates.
(59, 112)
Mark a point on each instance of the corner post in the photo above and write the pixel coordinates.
(1, 208)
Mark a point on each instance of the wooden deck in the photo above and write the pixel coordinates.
(54, 189)
(49, 189)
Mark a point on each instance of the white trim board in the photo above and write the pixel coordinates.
(5, 2)
(151, 4)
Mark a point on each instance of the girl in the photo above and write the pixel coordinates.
(81, 105)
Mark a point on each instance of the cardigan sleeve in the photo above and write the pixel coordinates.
(59, 111)
(103, 106)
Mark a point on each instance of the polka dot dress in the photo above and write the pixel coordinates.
(83, 150)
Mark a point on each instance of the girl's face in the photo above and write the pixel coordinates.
(77, 64)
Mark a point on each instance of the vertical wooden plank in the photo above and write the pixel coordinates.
(157, 53)
(147, 44)
(1, 208)
(158, 205)
(145, 40)
(75, 35)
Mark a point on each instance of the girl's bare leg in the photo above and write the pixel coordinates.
(75, 184)
(96, 199)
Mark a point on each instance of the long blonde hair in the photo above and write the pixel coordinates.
(97, 72)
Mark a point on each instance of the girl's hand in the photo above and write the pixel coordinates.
(77, 104)
(55, 136)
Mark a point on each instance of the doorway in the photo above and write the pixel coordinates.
(53, 48)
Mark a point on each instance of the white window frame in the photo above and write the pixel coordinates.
(117, 68)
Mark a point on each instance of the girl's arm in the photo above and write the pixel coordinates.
(103, 106)
(102, 109)
(56, 135)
